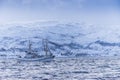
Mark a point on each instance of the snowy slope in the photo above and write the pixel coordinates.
(65, 39)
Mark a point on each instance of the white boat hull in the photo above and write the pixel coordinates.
(36, 59)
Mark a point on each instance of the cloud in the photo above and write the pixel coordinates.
(76, 10)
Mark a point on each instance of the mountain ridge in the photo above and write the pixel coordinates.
(65, 39)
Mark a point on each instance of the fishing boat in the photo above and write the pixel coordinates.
(32, 55)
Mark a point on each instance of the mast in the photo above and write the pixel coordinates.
(45, 45)
(46, 49)
(30, 47)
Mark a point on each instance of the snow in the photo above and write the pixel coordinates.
(64, 38)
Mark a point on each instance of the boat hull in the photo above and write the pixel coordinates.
(36, 59)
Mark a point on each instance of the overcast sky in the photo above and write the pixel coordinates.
(88, 11)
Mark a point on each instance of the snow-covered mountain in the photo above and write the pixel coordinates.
(65, 39)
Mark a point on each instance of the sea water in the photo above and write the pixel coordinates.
(83, 68)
